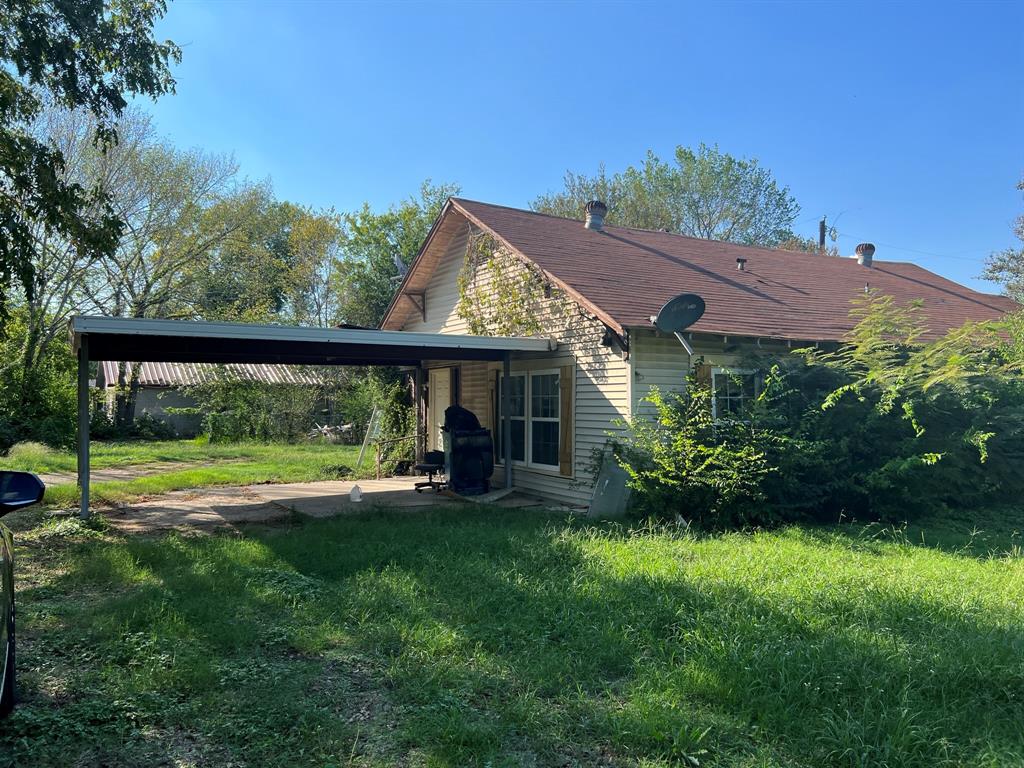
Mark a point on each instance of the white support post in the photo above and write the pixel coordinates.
(83, 424)
(506, 418)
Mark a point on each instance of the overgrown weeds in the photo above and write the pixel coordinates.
(489, 637)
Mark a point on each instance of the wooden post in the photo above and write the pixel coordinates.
(378, 460)
(506, 418)
(83, 424)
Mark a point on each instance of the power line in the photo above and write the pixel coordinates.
(974, 259)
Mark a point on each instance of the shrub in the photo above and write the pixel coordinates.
(685, 463)
(886, 426)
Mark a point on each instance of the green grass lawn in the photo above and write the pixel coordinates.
(511, 638)
(212, 464)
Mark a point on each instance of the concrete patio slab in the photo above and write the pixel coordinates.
(211, 507)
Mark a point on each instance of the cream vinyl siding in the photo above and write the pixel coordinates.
(601, 377)
(442, 293)
(660, 360)
(657, 361)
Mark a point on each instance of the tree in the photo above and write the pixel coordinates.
(372, 245)
(178, 208)
(706, 193)
(315, 241)
(1007, 267)
(59, 267)
(78, 54)
(244, 276)
(807, 245)
(176, 211)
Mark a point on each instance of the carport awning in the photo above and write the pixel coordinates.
(185, 341)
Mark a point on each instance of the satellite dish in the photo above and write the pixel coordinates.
(679, 313)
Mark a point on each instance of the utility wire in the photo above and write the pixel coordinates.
(974, 259)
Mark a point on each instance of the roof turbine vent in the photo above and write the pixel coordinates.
(865, 254)
(596, 211)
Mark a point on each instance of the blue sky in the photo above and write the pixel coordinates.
(903, 122)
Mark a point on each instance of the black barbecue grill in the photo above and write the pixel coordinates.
(468, 458)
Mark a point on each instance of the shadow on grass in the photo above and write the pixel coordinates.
(474, 636)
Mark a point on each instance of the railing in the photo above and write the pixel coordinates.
(379, 443)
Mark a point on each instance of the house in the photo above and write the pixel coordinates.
(161, 394)
(491, 270)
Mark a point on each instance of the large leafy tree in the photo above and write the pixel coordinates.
(374, 244)
(280, 264)
(703, 193)
(1007, 267)
(76, 54)
(178, 206)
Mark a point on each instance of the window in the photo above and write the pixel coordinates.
(544, 419)
(535, 404)
(517, 398)
(732, 392)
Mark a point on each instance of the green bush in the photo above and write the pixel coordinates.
(37, 403)
(684, 462)
(887, 426)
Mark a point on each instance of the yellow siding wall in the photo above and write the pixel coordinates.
(660, 360)
(602, 376)
(442, 293)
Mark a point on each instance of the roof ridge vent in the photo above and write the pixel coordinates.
(865, 254)
(596, 211)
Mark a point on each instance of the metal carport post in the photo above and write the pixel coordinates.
(506, 416)
(83, 425)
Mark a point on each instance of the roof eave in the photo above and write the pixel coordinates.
(415, 263)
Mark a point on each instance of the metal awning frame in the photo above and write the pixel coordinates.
(183, 341)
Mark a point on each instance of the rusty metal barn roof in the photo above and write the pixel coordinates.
(191, 374)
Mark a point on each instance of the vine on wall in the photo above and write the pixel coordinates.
(499, 295)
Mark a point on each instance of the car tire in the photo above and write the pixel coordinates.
(7, 690)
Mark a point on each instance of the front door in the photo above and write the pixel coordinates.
(440, 394)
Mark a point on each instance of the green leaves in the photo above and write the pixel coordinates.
(684, 462)
(889, 425)
(706, 193)
(370, 245)
(80, 54)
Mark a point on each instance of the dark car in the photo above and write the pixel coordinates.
(17, 490)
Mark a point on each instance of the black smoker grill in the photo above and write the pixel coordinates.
(468, 455)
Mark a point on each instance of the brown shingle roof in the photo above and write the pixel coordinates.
(625, 275)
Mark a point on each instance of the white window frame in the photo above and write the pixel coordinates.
(728, 372)
(525, 418)
(529, 418)
(547, 419)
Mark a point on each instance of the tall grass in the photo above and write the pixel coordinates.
(487, 637)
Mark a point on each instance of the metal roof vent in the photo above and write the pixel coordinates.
(865, 254)
(741, 263)
(596, 211)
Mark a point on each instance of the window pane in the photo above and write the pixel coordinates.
(517, 394)
(544, 396)
(544, 442)
(518, 440)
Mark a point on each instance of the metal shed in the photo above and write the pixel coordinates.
(186, 341)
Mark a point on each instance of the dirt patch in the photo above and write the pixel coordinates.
(131, 471)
